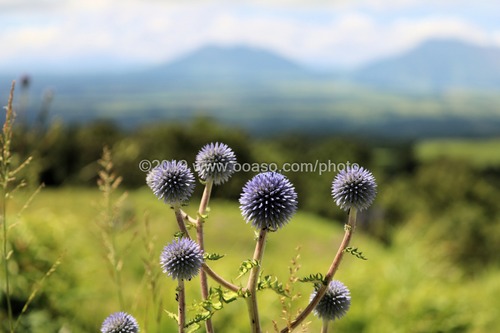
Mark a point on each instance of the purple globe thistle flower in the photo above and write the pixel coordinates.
(335, 303)
(171, 181)
(120, 322)
(354, 187)
(215, 162)
(268, 200)
(181, 259)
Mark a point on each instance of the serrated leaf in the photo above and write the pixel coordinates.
(270, 282)
(223, 296)
(355, 252)
(200, 317)
(246, 266)
(213, 256)
(314, 278)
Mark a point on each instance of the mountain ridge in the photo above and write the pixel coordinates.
(234, 64)
(251, 94)
(436, 64)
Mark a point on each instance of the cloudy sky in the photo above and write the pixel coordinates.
(81, 35)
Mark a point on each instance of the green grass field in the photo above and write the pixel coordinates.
(408, 287)
(481, 153)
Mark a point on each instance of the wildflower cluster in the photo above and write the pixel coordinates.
(268, 201)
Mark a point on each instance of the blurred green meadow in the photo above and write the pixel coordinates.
(410, 286)
(432, 238)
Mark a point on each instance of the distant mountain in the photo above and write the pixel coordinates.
(231, 63)
(436, 65)
(265, 92)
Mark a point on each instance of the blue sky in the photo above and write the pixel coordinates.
(82, 35)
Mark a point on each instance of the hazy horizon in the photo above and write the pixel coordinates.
(76, 35)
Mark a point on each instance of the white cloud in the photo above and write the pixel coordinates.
(154, 31)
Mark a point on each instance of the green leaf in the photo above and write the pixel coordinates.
(192, 328)
(178, 234)
(246, 266)
(200, 317)
(223, 296)
(355, 252)
(270, 282)
(314, 278)
(212, 256)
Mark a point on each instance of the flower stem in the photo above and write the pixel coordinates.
(202, 211)
(219, 279)
(251, 288)
(349, 230)
(324, 327)
(180, 221)
(180, 217)
(182, 305)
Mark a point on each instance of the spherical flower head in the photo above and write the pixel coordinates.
(335, 302)
(120, 322)
(215, 162)
(268, 201)
(181, 259)
(354, 187)
(171, 181)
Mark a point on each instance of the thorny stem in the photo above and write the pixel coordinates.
(6, 179)
(181, 294)
(202, 211)
(253, 310)
(349, 229)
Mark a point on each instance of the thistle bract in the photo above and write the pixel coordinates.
(215, 162)
(335, 303)
(181, 259)
(120, 322)
(268, 201)
(171, 181)
(354, 187)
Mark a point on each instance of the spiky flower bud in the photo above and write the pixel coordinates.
(268, 200)
(171, 181)
(181, 259)
(215, 162)
(335, 303)
(120, 322)
(354, 187)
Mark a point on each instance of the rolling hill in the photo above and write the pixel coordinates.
(436, 65)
